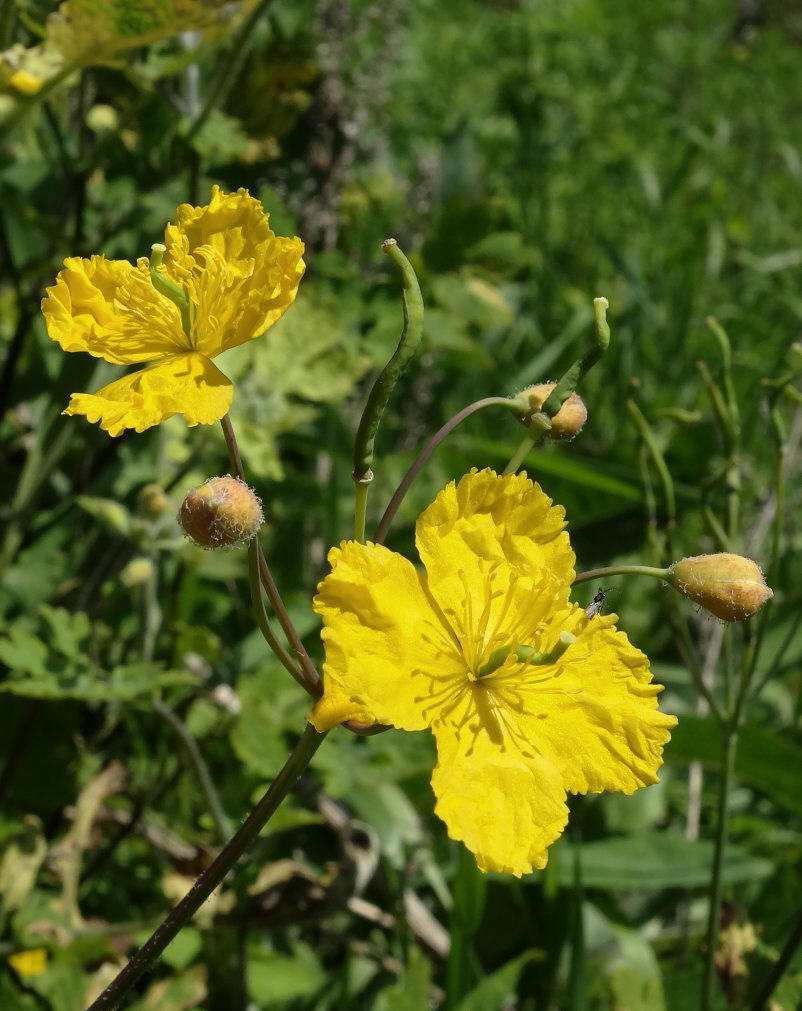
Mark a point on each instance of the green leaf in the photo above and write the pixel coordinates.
(270, 703)
(275, 979)
(121, 684)
(387, 809)
(178, 993)
(626, 962)
(654, 861)
(111, 513)
(183, 948)
(492, 993)
(23, 652)
(586, 474)
(764, 760)
(14, 999)
(22, 858)
(411, 992)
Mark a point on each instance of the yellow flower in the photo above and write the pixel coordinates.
(225, 278)
(32, 962)
(527, 697)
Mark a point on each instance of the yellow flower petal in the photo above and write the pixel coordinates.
(335, 707)
(506, 809)
(506, 521)
(187, 384)
(110, 309)
(239, 275)
(379, 629)
(598, 696)
(32, 962)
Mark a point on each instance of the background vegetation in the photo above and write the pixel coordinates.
(527, 154)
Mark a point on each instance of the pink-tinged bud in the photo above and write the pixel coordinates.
(570, 418)
(220, 513)
(729, 586)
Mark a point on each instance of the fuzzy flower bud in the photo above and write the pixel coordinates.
(570, 418)
(153, 501)
(220, 513)
(729, 586)
(137, 572)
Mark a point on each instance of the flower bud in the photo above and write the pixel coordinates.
(153, 501)
(570, 418)
(220, 513)
(729, 586)
(137, 572)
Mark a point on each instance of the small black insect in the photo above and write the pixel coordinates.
(594, 606)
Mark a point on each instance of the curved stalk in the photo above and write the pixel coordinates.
(621, 570)
(214, 874)
(311, 679)
(424, 454)
(261, 616)
(219, 817)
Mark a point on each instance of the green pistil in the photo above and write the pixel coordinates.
(166, 287)
(526, 654)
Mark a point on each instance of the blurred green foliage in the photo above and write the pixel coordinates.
(528, 155)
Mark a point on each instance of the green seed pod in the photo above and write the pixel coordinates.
(221, 513)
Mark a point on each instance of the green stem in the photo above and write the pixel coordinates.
(388, 377)
(6, 22)
(361, 489)
(311, 679)
(37, 469)
(213, 802)
(689, 655)
(414, 468)
(646, 433)
(228, 69)
(774, 666)
(261, 616)
(528, 442)
(213, 875)
(761, 1001)
(622, 570)
(151, 617)
(568, 381)
(687, 651)
(729, 739)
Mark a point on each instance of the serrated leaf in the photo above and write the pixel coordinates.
(270, 703)
(93, 31)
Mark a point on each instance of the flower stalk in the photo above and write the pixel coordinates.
(214, 875)
(439, 436)
(309, 678)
